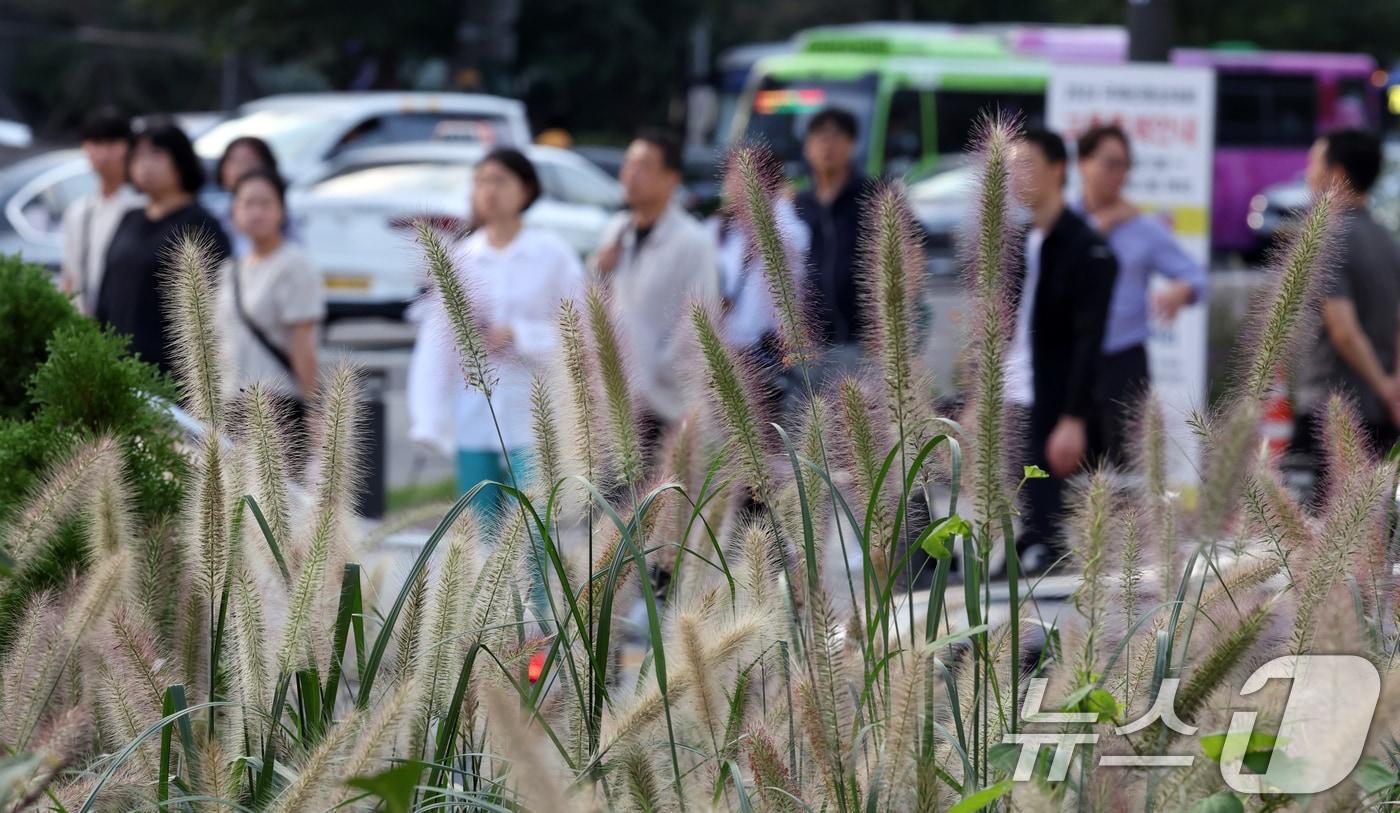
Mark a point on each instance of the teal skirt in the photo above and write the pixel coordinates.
(475, 467)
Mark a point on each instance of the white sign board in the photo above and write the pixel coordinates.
(1169, 114)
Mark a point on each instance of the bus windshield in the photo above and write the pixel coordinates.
(782, 108)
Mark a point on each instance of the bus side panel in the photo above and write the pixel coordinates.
(1240, 174)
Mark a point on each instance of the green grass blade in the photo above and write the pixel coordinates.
(268, 536)
(350, 606)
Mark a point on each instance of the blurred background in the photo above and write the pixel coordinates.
(376, 112)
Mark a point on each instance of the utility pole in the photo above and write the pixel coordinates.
(1150, 30)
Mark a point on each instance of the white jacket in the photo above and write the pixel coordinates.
(520, 286)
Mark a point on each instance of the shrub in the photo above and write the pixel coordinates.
(69, 383)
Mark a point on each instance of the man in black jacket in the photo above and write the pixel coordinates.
(831, 208)
(1065, 281)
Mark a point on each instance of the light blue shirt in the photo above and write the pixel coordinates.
(1143, 246)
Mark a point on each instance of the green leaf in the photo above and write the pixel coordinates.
(982, 798)
(1222, 802)
(1102, 703)
(1077, 696)
(1034, 473)
(1213, 745)
(935, 537)
(395, 786)
(1374, 776)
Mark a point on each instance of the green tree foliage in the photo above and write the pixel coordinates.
(66, 383)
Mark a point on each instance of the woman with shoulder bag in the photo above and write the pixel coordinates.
(271, 303)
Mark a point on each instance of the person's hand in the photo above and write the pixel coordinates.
(499, 338)
(67, 284)
(1065, 447)
(608, 256)
(1111, 217)
(1169, 301)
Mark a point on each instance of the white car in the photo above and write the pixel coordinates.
(309, 131)
(356, 221)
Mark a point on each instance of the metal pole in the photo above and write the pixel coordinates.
(1150, 30)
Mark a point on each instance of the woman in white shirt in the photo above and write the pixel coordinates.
(516, 276)
(270, 300)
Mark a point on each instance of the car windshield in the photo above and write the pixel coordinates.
(782, 108)
(290, 133)
(433, 180)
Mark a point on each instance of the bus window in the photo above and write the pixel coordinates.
(781, 110)
(904, 143)
(957, 114)
(1265, 110)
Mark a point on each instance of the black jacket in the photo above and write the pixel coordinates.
(832, 259)
(134, 292)
(1070, 310)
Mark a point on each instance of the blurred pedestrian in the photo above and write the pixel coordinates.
(1143, 246)
(831, 208)
(243, 155)
(750, 320)
(655, 259)
(1064, 282)
(1354, 351)
(517, 276)
(133, 294)
(270, 301)
(90, 221)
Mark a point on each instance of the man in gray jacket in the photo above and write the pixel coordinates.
(655, 260)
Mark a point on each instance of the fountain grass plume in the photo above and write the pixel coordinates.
(761, 183)
(991, 253)
(890, 276)
(30, 667)
(622, 413)
(1352, 519)
(463, 319)
(192, 269)
(337, 422)
(265, 443)
(579, 371)
(775, 784)
(410, 626)
(440, 645)
(898, 741)
(548, 462)
(111, 523)
(1091, 541)
(250, 675)
(1148, 453)
(1291, 306)
(1233, 435)
(862, 445)
(58, 496)
(730, 386)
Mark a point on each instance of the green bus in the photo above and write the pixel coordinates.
(917, 92)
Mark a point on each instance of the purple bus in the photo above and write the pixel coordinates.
(1270, 107)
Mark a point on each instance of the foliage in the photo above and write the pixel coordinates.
(73, 382)
(785, 667)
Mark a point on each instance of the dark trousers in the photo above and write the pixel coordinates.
(1043, 498)
(1120, 384)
